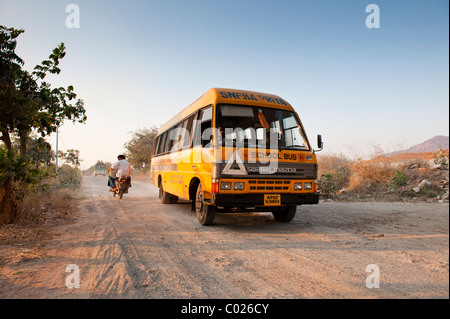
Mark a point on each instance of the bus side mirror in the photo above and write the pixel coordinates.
(319, 143)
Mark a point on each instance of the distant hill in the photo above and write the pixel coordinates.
(431, 145)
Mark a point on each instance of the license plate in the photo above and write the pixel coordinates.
(272, 199)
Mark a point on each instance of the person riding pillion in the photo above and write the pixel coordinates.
(123, 170)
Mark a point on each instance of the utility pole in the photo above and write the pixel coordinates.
(56, 162)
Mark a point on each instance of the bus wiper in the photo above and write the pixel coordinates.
(295, 147)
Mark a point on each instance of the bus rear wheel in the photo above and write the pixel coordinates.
(205, 213)
(165, 197)
(285, 215)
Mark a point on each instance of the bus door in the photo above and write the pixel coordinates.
(202, 154)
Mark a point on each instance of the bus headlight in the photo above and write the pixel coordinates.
(225, 185)
(239, 186)
(308, 186)
(298, 186)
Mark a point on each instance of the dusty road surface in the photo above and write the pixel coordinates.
(139, 248)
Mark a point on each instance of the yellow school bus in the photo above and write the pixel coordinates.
(234, 150)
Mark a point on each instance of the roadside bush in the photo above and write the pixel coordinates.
(16, 178)
(428, 193)
(327, 184)
(397, 181)
(408, 194)
(49, 201)
(334, 174)
(331, 183)
(331, 163)
(367, 176)
(69, 177)
(23, 188)
(11, 165)
(44, 207)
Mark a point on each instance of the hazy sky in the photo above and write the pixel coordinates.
(138, 63)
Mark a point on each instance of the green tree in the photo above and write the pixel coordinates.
(10, 64)
(140, 148)
(39, 151)
(71, 157)
(29, 103)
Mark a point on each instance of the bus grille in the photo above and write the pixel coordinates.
(269, 185)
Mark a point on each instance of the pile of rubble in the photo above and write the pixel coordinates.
(443, 184)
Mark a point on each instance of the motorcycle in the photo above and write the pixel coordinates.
(122, 185)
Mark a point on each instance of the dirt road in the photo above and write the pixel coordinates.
(138, 248)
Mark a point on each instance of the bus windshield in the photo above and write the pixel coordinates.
(254, 126)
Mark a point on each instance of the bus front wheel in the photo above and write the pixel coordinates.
(205, 213)
(285, 215)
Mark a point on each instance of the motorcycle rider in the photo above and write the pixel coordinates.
(123, 168)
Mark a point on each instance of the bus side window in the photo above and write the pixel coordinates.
(197, 137)
(176, 137)
(162, 139)
(156, 145)
(187, 125)
(167, 142)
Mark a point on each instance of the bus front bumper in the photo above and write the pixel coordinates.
(257, 200)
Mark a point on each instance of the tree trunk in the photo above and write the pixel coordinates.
(7, 201)
(6, 190)
(23, 137)
(6, 138)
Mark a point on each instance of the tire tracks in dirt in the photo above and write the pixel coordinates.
(138, 248)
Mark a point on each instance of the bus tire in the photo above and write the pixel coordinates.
(205, 213)
(164, 197)
(285, 215)
(173, 199)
